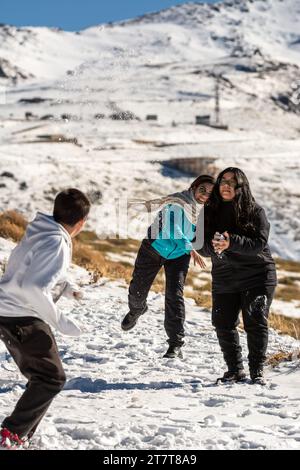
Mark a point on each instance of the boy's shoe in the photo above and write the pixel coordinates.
(232, 376)
(129, 321)
(8, 440)
(257, 377)
(174, 351)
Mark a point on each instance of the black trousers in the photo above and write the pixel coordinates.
(255, 306)
(33, 348)
(147, 266)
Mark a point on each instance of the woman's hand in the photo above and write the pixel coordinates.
(221, 245)
(198, 259)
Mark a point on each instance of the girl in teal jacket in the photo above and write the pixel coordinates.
(172, 240)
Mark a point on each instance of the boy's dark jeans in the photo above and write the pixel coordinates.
(147, 265)
(32, 345)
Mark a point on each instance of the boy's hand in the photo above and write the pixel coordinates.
(198, 259)
(78, 295)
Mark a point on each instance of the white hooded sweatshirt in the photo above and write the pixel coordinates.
(36, 268)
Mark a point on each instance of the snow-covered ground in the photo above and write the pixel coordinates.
(121, 393)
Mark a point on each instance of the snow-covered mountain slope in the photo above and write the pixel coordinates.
(77, 84)
(192, 31)
(121, 393)
(239, 27)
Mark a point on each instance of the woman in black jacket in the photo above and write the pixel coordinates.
(243, 272)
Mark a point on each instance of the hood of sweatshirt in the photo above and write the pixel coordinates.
(44, 224)
(37, 266)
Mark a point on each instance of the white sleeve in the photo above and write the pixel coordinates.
(48, 265)
(65, 288)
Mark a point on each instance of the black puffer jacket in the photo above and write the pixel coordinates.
(248, 262)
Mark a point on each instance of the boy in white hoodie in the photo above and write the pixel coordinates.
(35, 275)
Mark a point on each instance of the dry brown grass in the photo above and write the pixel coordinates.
(288, 284)
(285, 325)
(288, 293)
(108, 244)
(289, 280)
(96, 263)
(283, 356)
(87, 236)
(91, 253)
(202, 300)
(287, 265)
(12, 225)
(99, 266)
(288, 288)
(88, 258)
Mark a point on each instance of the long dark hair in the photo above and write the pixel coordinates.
(244, 202)
(202, 179)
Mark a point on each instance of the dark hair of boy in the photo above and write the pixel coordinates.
(71, 206)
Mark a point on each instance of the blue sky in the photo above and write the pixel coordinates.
(74, 15)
